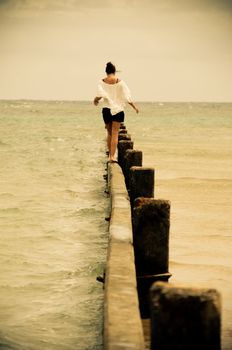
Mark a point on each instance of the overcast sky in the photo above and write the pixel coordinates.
(166, 50)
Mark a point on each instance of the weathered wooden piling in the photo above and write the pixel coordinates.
(151, 223)
(122, 147)
(122, 126)
(124, 136)
(132, 158)
(184, 318)
(141, 182)
(181, 318)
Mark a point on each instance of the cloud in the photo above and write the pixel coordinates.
(190, 5)
(55, 5)
(166, 6)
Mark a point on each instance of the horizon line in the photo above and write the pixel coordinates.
(90, 101)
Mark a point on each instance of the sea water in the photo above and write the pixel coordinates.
(53, 235)
(190, 147)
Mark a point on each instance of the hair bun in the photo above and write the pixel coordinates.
(110, 68)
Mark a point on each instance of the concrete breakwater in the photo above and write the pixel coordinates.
(137, 271)
(122, 322)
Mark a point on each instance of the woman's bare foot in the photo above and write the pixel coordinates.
(112, 160)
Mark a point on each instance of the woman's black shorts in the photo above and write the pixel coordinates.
(108, 117)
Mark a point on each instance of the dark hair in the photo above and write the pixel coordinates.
(110, 68)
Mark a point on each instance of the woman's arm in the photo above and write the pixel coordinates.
(127, 96)
(96, 100)
(101, 93)
(133, 106)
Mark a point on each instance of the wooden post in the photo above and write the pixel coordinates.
(123, 131)
(132, 158)
(123, 145)
(151, 222)
(124, 136)
(184, 318)
(141, 182)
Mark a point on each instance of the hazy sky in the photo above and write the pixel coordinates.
(167, 50)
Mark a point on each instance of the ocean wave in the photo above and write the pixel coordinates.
(71, 193)
(7, 344)
(3, 144)
(12, 210)
(216, 268)
(87, 212)
(54, 138)
(6, 195)
(198, 179)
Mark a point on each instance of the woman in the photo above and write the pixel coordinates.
(115, 94)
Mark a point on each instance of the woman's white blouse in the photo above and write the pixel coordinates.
(114, 96)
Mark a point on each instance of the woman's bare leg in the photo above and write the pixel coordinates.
(109, 132)
(114, 139)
